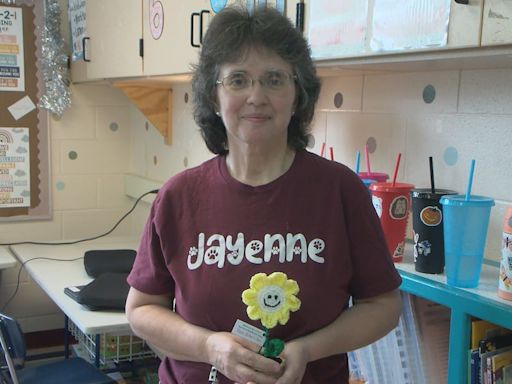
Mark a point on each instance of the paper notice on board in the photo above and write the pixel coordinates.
(414, 24)
(77, 24)
(337, 28)
(14, 167)
(12, 72)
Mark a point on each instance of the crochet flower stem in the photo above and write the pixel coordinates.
(270, 299)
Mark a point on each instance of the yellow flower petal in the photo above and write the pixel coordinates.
(271, 298)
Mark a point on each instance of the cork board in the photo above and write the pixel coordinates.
(36, 120)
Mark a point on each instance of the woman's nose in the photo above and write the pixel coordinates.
(256, 93)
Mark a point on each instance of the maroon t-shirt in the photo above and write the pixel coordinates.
(208, 234)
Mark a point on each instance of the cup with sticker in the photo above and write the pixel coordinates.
(270, 299)
(392, 201)
(427, 225)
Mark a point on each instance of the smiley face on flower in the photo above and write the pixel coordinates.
(271, 298)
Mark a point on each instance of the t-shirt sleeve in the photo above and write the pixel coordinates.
(373, 270)
(149, 273)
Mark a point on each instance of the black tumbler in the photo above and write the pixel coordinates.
(427, 225)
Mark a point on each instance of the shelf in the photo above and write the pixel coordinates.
(481, 302)
(420, 60)
(154, 100)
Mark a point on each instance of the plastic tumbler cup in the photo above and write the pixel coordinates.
(465, 231)
(427, 224)
(393, 203)
(377, 176)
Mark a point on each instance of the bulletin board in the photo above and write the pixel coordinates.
(24, 138)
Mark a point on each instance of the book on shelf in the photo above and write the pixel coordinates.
(499, 363)
(492, 338)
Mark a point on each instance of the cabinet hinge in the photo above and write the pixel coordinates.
(141, 47)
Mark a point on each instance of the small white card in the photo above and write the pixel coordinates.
(249, 332)
(21, 107)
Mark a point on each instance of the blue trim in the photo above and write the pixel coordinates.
(463, 304)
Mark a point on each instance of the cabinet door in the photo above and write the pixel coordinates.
(172, 34)
(497, 22)
(114, 28)
(465, 20)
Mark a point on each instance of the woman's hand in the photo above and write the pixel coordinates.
(295, 359)
(238, 359)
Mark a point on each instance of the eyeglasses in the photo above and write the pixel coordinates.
(274, 81)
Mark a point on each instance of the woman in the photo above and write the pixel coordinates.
(264, 204)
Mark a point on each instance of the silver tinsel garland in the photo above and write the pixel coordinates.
(54, 63)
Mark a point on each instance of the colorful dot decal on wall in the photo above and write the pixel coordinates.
(72, 155)
(60, 185)
(114, 126)
(371, 142)
(338, 100)
(451, 156)
(429, 94)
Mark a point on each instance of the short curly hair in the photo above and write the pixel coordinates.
(231, 33)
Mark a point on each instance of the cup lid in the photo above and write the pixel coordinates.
(389, 187)
(426, 193)
(460, 200)
(371, 175)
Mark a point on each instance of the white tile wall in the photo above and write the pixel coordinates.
(471, 116)
(87, 193)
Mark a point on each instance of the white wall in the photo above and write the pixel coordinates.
(87, 192)
(471, 116)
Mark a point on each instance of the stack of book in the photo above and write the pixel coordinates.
(490, 355)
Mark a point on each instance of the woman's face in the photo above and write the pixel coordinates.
(256, 114)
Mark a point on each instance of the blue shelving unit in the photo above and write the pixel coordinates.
(481, 302)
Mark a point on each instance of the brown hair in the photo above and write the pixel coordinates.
(231, 33)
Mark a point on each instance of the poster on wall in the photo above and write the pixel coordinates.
(12, 73)
(14, 167)
(77, 24)
(337, 28)
(415, 24)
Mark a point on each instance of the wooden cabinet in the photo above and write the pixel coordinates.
(497, 22)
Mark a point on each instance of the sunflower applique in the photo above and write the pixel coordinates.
(270, 299)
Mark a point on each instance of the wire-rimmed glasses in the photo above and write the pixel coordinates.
(274, 81)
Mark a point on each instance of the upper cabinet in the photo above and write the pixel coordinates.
(112, 43)
(141, 37)
(373, 27)
(173, 32)
(497, 22)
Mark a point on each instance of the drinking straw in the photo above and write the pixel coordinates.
(432, 184)
(367, 159)
(397, 164)
(358, 159)
(331, 153)
(470, 179)
(322, 151)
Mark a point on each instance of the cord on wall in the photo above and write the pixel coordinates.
(89, 238)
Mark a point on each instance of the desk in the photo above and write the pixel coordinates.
(6, 259)
(54, 276)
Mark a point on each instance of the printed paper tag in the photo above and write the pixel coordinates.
(249, 332)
